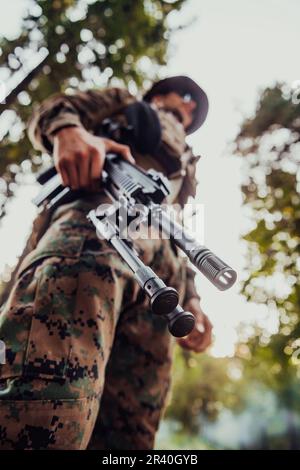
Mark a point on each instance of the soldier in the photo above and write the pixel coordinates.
(87, 363)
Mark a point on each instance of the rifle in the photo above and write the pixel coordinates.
(139, 195)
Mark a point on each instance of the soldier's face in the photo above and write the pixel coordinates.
(181, 106)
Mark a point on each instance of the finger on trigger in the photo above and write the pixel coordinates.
(124, 150)
(128, 155)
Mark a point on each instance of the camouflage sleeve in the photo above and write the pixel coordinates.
(189, 182)
(190, 291)
(86, 109)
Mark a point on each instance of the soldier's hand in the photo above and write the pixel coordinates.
(201, 337)
(79, 156)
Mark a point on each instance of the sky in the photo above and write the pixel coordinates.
(233, 50)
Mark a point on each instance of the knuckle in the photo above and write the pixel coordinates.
(79, 156)
(95, 152)
(63, 161)
(106, 143)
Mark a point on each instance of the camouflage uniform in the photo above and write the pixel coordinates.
(78, 330)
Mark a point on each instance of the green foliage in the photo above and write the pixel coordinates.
(202, 387)
(90, 43)
(274, 110)
(269, 142)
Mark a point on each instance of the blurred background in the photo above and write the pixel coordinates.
(244, 393)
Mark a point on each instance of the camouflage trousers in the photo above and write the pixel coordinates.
(87, 363)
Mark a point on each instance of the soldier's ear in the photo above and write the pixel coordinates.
(157, 100)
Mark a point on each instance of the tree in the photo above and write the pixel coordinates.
(269, 142)
(65, 45)
(71, 44)
(202, 387)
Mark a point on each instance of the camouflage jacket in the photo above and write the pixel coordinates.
(88, 109)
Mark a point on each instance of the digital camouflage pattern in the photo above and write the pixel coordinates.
(74, 314)
(87, 363)
(88, 109)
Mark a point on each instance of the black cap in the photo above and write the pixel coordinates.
(183, 85)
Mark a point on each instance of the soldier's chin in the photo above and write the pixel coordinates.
(176, 113)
